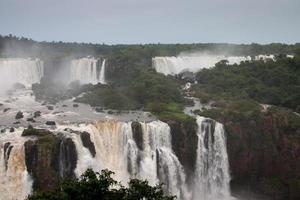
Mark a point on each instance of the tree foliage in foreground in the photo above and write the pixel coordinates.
(93, 185)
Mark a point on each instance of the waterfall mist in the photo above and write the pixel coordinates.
(25, 71)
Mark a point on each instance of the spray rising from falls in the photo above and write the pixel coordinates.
(88, 70)
(20, 70)
(15, 182)
(194, 63)
(176, 65)
(212, 169)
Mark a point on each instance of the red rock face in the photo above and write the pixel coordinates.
(264, 156)
(184, 143)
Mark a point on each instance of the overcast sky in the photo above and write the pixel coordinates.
(152, 21)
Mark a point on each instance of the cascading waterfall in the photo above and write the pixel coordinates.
(102, 72)
(212, 168)
(20, 70)
(194, 63)
(88, 70)
(176, 65)
(140, 150)
(118, 149)
(15, 182)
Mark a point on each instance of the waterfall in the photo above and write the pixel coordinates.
(102, 73)
(15, 182)
(140, 150)
(176, 65)
(212, 177)
(20, 70)
(88, 70)
(118, 149)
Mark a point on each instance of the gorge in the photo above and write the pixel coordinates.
(209, 150)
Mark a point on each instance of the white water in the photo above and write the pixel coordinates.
(152, 158)
(88, 70)
(117, 151)
(176, 65)
(212, 169)
(194, 63)
(20, 70)
(15, 182)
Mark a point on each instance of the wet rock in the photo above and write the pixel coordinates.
(98, 109)
(137, 134)
(17, 122)
(50, 107)
(75, 105)
(67, 158)
(6, 109)
(19, 115)
(86, 141)
(189, 102)
(184, 143)
(30, 120)
(3, 130)
(1, 104)
(110, 112)
(7, 149)
(37, 114)
(30, 131)
(50, 123)
(41, 157)
(11, 130)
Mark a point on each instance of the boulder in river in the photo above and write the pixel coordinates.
(37, 114)
(50, 107)
(50, 123)
(19, 115)
(30, 119)
(6, 109)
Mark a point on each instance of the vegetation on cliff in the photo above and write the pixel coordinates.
(263, 140)
(270, 82)
(93, 185)
(263, 147)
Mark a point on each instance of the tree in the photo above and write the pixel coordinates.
(93, 185)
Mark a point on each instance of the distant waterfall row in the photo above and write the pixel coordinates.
(131, 150)
(88, 70)
(20, 70)
(176, 65)
(29, 71)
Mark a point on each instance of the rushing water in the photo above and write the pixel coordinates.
(88, 70)
(212, 168)
(151, 157)
(176, 65)
(15, 182)
(133, 150)
(20, 70)
(129, 148)
(194, 63)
